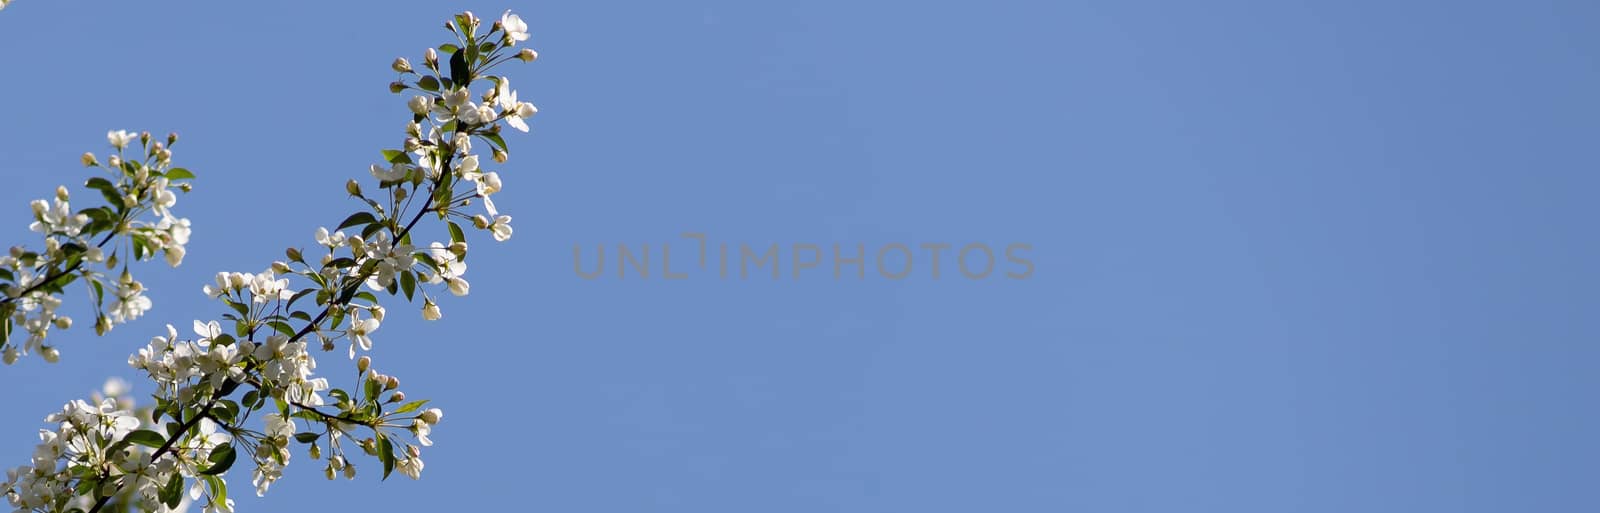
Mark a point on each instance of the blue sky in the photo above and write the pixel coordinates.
(1290, 256)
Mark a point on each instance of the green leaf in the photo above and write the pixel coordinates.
(496, 139)
(336, 319)
(172, 493)
(226, 410)
(386, 453)
(179, 173)
(217, 487)
(99, 291)
(410, 407)
(408, 281)
(428, 83)
(448, 48)
(455, 233)
(146, 438)
(221, 458)
(299, 295)
(393, 156)
(427, 260)
(307, 438)
(357, 218)
(282, 327)
(107, 189)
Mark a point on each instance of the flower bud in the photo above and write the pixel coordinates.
(50, 354)
(328, 472)
(430, 57)
(401, 65)
(432, 415)
(293, 254)
(419, 105)
(480, 222)
(430, 310)
(144, 138)
(377, 313)
(61, 194)
(500, 156)
(370, 446)
(102, 324)
(397, 86)
(363, 364)
(115, 161)
(353, 187)
(164, 155)
(398, 397)
(349, 471)
(63, 322)
(172, 138)
(527, 55)
(316, 451)
(89, 160)
(392, 383)
(280, 268)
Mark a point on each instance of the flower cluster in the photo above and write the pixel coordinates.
(105, 437)
(258, 359)
(136, 223)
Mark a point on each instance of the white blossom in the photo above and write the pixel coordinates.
(516, 29)
(119, 139)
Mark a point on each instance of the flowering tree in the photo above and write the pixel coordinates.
(245, 387)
